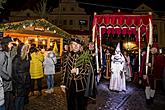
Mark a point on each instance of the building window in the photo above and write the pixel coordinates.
(64, 22)
(71, 22)
(28, 14)
(63, 9)
(55, 22)
(83, 22)
(72, 9)
(164, 27)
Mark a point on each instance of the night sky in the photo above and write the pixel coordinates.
(89, 5)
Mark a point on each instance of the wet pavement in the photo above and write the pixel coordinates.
(54, 101)
(132, 99)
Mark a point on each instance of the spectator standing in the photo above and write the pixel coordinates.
(127, 67)
(49, 69)
(36, 69)
(2, 100)
(9, 50)
(21, 76)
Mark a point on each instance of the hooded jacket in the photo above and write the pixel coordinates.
(6, 59)
(1, 92)
(36, 65)
(49, 63)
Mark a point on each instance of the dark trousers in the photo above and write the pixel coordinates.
(9, 102)
(2, 107)
(150, 82)
(75, 99)
(39, 84)
(19, 103)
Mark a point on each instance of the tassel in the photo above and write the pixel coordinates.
(148, 92)
(152, 93)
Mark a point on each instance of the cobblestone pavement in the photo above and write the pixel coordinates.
(132, 99)
(55, 101)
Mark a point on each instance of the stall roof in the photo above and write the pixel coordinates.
(39, 26)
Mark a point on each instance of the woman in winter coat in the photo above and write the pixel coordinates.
(21, 76)
(36, 69)
(49, 69)
(7, 54)
(2, 100)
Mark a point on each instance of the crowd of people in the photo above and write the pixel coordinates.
(124, 67)
(20, 66)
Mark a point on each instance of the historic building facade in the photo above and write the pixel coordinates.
(158, 24)
(70, 17)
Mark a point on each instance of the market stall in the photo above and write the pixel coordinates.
(39, 32)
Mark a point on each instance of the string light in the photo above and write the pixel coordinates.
(43, 42)
(36, 39)
(39, 22)
(26, 42)
(51, 43)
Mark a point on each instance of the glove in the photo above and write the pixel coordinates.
(63, 88)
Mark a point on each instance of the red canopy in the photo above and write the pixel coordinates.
(122, 24)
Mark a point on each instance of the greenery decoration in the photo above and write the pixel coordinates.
(35, 23)
(85, 58)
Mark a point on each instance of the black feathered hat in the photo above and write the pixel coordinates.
(77, 41)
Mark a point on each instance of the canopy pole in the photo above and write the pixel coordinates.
(149, 44)
(101, 55)
(94, 39)
(94, 28)
(139, 48)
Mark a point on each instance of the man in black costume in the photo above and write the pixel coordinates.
(76, 69)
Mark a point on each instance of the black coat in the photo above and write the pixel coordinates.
(21, 76)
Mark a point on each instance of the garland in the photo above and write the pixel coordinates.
(36, 23)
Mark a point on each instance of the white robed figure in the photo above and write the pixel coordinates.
(117, 80)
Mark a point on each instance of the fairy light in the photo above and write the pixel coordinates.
(24, 26)
(51, 43)
(36, 39)
(43, 42)
(26, 42)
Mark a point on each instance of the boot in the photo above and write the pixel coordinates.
(39, 93)
(148, 101)
(152, 100)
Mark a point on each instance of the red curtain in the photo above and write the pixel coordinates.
(123, 24)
